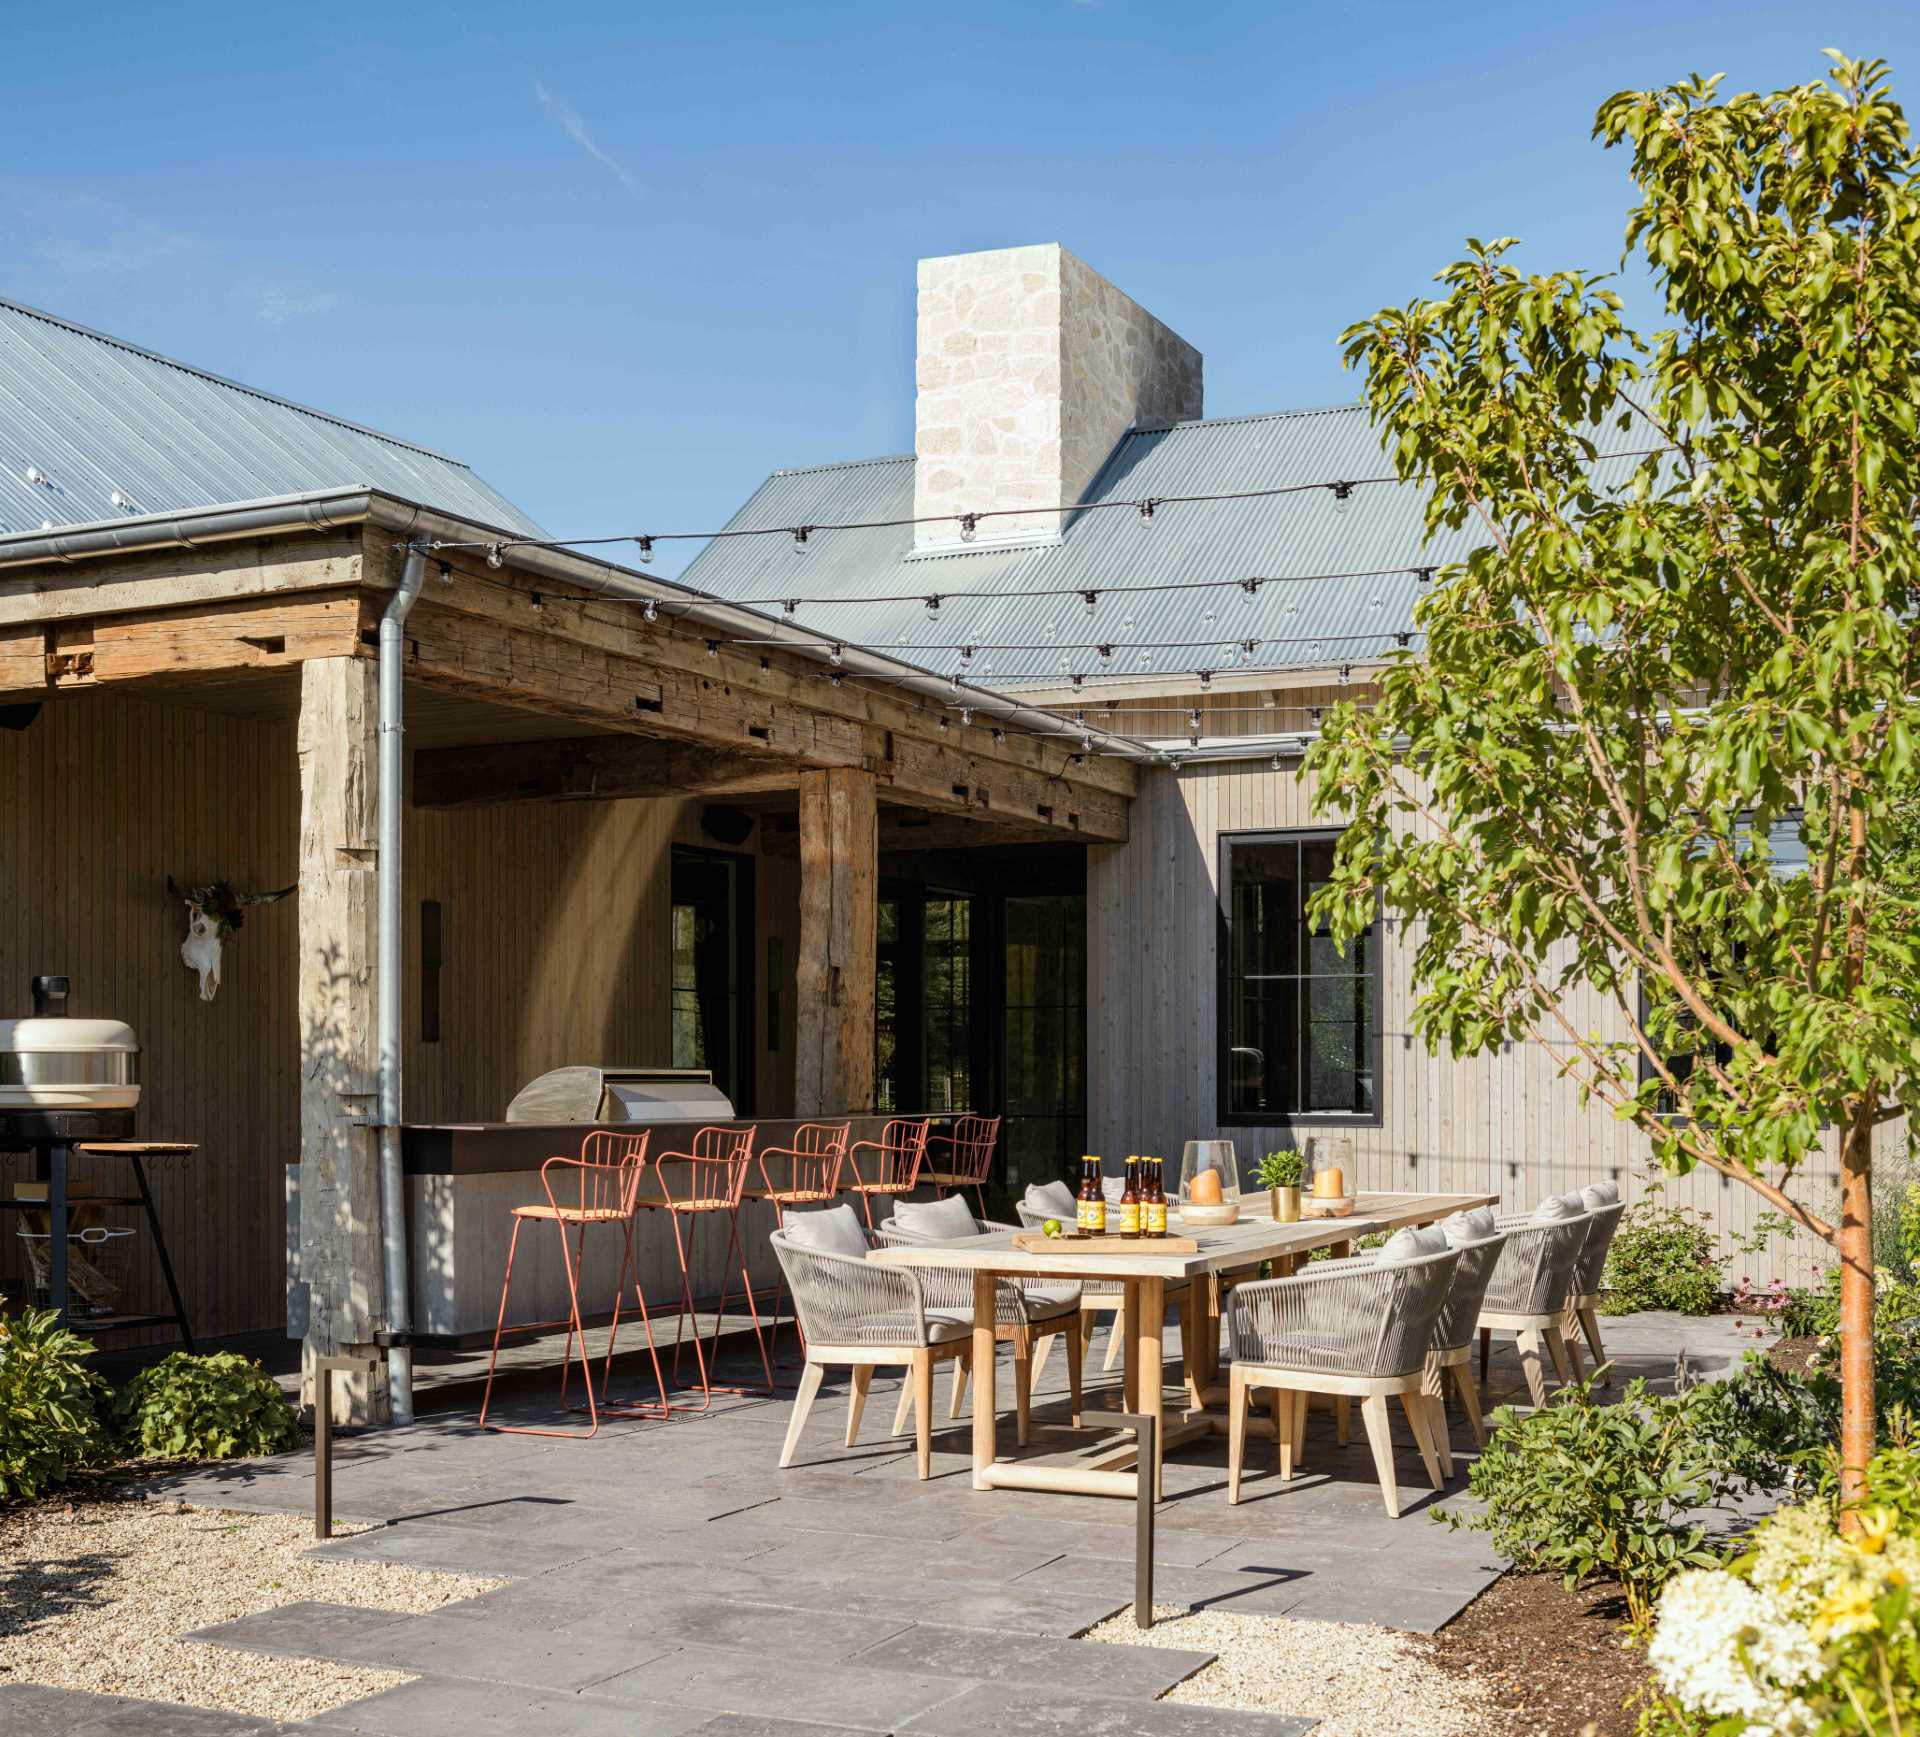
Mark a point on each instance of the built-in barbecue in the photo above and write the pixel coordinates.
(611, 1094)
(67, 1085)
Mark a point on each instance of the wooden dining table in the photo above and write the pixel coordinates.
(1107, 1467)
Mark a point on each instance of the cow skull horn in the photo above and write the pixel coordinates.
(268, 898)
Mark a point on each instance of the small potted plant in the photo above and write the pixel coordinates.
(1279, 1174)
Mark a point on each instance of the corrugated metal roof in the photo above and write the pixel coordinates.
(96, 416)
(1320, 623)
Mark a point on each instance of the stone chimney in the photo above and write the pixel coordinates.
(1031, 366)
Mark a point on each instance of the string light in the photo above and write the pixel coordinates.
(1346, 674)
(643, 548)
(790, 607)
(999, 735)
(539, 603)
(969, 525)
(1342, 493)
(446, 572)
(1078, 681)
(1090, 598)
(835, 655)
(1276, 762)
(933, 607)
(800, 535)
(1206, 679)
(1146, 511)
(1106, 655)
(713, 648)
(836, 678)
(1193, 719)
(651, 612)
(966, 716)
(496, 554)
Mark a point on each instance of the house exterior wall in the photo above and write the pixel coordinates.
(554, 946)
(1501, 1122)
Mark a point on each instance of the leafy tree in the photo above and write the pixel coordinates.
(1658, 740)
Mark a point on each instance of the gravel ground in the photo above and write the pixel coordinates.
(94, 1595)
(1357, 1680)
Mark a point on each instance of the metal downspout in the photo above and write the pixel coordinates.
(393, 773)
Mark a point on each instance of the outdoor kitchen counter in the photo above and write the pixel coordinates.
(463, 1180)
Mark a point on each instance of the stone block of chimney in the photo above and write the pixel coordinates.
(1030, 368)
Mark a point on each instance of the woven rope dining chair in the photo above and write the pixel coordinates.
(597, 1190)
(894, 1164)
(1527, 1295)
(1027, 1313)
(1583, 1301)
(1360, 1327)
(862, 1316)
(962, 1158)
(707, 1181)
(1098, 1297)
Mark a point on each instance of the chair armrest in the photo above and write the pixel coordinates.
(1346, 1322)
(849, 1300)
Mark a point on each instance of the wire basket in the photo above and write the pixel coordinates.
(96, 1267)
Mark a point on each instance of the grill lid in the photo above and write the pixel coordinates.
(596, 1094)
(49, 1061)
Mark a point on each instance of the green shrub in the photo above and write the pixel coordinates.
(1773, 1430)
(1664, 1257)
(49, 1405)
(1577, 1489)
(204, 1408)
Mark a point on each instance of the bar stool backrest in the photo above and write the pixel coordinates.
(815, 1157)
(903, 1148)
(973, 1140)
(714, 1165)
(603, 1181)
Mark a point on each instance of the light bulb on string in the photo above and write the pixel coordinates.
(713, 648)
(943, 724)
(1193, 719)
(651, 610)
(1247, 649)
(1342, 493)
(969, 524)
(1251, 587)
(835, 655)
(836, 679)
(1206, 679)
(1276, 762)
(1090, 598)
(966, 716)
(790, 608)
(1346, 674)
(446, 572)
(955, 680)
(933, 607)
(800, 535)
(496, 554)
(643, 548)
(539, 603)
(1106, 655)
(1078, 681)
(1146, 512)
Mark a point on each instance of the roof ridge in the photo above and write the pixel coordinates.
(843, 464)
(165, 361)
(1251, 416)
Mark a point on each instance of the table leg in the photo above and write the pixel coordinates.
(1151, 1313)
(57, 1218)
(1129, 1338)
(983, 1378)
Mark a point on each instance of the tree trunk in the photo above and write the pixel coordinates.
(1856, 1308)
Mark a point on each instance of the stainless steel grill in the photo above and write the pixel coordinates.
(614, 1094)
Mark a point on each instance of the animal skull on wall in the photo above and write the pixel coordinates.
(215, 910)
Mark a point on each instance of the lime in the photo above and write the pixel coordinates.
(1052, 1227)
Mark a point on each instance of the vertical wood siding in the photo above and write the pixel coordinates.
(554, 947)
(1505, 1122)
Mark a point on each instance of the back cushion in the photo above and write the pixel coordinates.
(831, 1229)
(934, 1220)
(1555, 1209)
(1599, 1194)
(1465, 1227)
(1413, 1242)
(1055, 1199)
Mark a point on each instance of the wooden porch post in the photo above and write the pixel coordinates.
(839, 875)
(339, 1075)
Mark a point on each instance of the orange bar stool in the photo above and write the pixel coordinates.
(707, 1181)
(599, 1189)
(970, 1145)
(897, 1157)
(810, 1177)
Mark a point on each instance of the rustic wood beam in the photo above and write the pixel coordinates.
(835, 987)
(217, 573)
(578, 768)
(340, 1254)
(711, 703)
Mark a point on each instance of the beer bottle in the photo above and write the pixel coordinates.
(1096, 1200)
(1130, 1201)
(1154, 1210)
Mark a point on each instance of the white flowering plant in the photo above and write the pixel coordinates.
(1814, 1632)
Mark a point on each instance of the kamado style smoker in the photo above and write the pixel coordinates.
(71, 1085)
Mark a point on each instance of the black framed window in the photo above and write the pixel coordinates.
(1299, 1019)
(948, 992)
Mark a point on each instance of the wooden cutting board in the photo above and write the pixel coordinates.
(1081, 1242)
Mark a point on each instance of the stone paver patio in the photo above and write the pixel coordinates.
(667, 1578)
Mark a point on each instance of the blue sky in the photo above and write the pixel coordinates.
(625, 259)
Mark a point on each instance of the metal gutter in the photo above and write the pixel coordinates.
(190, 527)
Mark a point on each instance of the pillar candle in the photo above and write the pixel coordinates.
(1329, 1184)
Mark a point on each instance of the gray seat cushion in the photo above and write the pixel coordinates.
(1413, 1242)
(1465, 1227)
(1051, 1199)
(934, 1220)
(1046, 1301)
(830, 1229)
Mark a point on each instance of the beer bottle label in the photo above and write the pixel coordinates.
(1097, 1216)
(1129, 1218)
(1156, 1218)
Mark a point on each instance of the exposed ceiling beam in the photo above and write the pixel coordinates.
(589, 768)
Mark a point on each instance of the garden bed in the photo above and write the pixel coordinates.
(1549, 1660)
